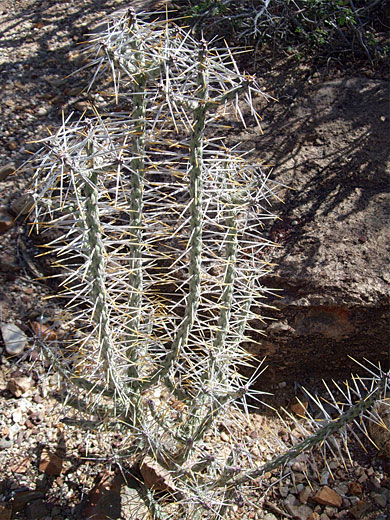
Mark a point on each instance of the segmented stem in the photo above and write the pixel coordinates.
(136, 171)
(195, 240)
(316, 439)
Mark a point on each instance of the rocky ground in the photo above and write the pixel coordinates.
(49, 467)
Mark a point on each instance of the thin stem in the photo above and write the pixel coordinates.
(137, 173)
(323, 433)
(195, 243)
(96, 252)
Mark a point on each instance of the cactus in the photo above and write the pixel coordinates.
(158, 242)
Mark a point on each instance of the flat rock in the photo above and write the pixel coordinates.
(327, 497)
(155, 476)
(22, 205)
(6, 170)
(104, 500)
(19, 385)
(14, 339)
(302, 512)
(6, 221)
(50, 463)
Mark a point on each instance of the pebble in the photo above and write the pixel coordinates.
(5, 444)
(355, 488)
(6, 170)
(304, 495)
(298, 466)
(22, 205)
(327, 497)
(224, 436)
(50, 463)
(19, 385)
(284, 490)
(15, 339)
(6, 221)
(341, 488)
(379, 499)
(302, 512)
(17, 416)
(374, 483)
(358, 509)
(42, 111)
(324, 478)
(299, 407)
(330, 511)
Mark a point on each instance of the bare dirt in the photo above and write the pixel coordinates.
(326, 138)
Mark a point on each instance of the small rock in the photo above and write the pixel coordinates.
(270, 516)
(290, 500)
(21, 466)
(299, 407)
(22, 205)
(42, 111)
(9, 264)
(19, 385)
(55, 82)
(82, 106)
(5, 444)
(299, 512)
(104, 500)
(50, 463)
(379, 499)
(12, 145)
(224, 436)
(132, 504)
(355, 488)
(314, 516)
(341, 488)
(17, 416)
(324, 478)
(15, 339)
(374, 484)
(305, 494)
(298, 466)
(363, 478)
(43, 331)
(6, 170)
(330, 511)
(283, 490)
(327, 497)
(156, 477)
(358, 509)
(6, 221)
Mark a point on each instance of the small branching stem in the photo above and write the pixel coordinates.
(316, 439)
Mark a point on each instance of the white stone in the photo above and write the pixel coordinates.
(17, 416)
(15, 339)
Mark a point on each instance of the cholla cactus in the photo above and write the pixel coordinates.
(158, 240)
